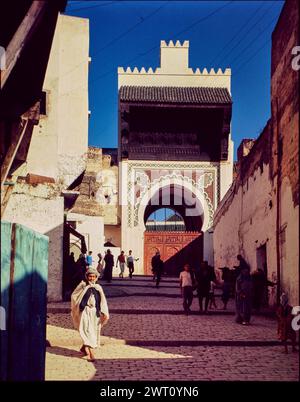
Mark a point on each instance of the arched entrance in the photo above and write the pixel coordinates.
(173, 220)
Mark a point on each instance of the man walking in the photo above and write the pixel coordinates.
(204, 276)
(186, 286)
(157, 267)
(130, 263)
(121, 261)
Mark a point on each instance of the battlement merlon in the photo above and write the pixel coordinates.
(174, 71)
(156, 71)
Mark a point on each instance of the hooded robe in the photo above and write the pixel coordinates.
(87, 322)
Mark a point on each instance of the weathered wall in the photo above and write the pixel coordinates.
(246, 218)
(285, 142)
(42, 209)
(247, 223)
(97, 205)
(268, 176)
(285, 96)
(99, 188)
(112, 233)
(289, 243)
(108, 191)
(59, 143)
(89, 185)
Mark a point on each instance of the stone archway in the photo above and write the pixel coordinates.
(191, 191)
(141, 180)
(176, 247)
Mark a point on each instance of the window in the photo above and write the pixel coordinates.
(43, 103)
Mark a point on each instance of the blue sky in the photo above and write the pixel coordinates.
(235, 34)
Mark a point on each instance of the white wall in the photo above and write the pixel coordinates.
(226, 170)
(249, 223)
(59, 143)
(92, 228)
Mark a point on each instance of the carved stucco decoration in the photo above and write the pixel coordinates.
(139, 183)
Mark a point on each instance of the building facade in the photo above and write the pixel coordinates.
(58, 147)
(259, 215)
(175, 150)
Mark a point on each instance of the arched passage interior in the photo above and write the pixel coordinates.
(176, 247)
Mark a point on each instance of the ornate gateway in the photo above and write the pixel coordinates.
(176, 249)
(175, 152)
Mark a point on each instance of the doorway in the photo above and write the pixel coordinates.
(261, 260)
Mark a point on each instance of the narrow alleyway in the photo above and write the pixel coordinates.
(149, 338)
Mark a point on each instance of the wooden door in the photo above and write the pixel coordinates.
(24, 271)
(176, 249)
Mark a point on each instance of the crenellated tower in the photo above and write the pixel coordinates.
(174, 70)
(174, 140)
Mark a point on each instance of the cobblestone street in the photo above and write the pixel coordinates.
(149, 338)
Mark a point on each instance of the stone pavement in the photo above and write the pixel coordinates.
(149, 338)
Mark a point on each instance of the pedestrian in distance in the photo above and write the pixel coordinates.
(89, 259)
(186, 288)
(242, 265)
(80, 270)
(157, 267)
(243, 295)
(153, 263)
(212, 299)
(100, 265)
(121, 261)
(130, 263)
(226, 286)
(89, 312)
(285, 317)
(204, 276)
(109, 263)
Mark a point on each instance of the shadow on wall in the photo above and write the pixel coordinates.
(24, 269)
(191, 254)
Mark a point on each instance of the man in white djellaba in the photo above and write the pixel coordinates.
(89, 312)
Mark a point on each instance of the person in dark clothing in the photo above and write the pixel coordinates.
(243, 297)
(259, 288)
(153, 264)
(285, 317)
(71, 259)
(157, 267)
(242, 264)
(79, 271)
(204, 276)
(238, 269)
(226, 286)
(186, 288)
(109, 263)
